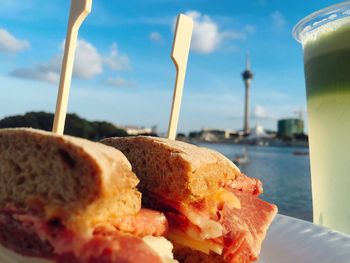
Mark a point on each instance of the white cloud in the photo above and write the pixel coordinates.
(47, 71)
(11, 44)
(119, 82)
(278, 20)
(88, 64)
(249, 29)
(115, 60)
(207, 36)
(155, 37)
(260, 112)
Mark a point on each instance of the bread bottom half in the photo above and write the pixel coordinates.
(8, 256)
(188, 255)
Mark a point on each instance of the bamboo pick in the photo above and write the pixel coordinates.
(79, 10)
(179, 55)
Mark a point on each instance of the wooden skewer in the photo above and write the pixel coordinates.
(179, 55)
(79, 10)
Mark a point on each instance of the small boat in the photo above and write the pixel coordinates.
(300, 153)
(242, 158)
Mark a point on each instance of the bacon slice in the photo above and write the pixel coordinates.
(31, 236)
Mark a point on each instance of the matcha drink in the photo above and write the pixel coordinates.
(327, 74)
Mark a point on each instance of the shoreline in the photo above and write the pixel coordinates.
(271, 143)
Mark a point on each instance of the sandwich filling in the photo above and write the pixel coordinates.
(132, 239)
(232, 223)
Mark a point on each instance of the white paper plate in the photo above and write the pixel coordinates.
(291, 240)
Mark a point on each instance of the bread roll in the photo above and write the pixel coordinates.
(175, 170)
(79, 182)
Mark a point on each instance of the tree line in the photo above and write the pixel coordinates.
(75, 125)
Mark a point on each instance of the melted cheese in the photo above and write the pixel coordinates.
(226, 197)
(162, 247)
(209, 227)
(185, 240)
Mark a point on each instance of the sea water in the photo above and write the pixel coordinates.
(285, 176)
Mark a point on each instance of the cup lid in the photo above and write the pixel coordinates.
(320, 18)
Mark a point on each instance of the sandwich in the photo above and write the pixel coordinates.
(69, 200)
(214, 212)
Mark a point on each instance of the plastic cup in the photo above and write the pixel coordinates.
(325, 37)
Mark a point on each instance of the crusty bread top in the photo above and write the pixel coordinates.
(82, 183)
(173, 169)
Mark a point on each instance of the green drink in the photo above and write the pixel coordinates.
(325, 36)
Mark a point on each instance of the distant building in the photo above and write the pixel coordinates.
(258, 133)
(135, 130)
(258, 136)
(213, 135)
(290, 127)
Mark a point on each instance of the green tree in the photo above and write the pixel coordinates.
(75, 125)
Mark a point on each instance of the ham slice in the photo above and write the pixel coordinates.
(21, 237)
(245, 228)
(31, 236)
(245, 184)
(112, 249)
(146, 223)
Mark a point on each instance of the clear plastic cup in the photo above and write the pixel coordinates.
(325, 37)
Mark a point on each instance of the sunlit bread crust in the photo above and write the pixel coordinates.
(173, 169)
(82, 183)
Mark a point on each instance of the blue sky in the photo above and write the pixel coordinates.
(123, 71)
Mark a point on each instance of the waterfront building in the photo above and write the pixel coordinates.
(135, 130)
(258, 136)
(287, 128)
(214, 135)
(217, 135)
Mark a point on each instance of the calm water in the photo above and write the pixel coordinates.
(285, 177)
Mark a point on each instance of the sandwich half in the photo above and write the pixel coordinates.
(213, 209)
(64, 199)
